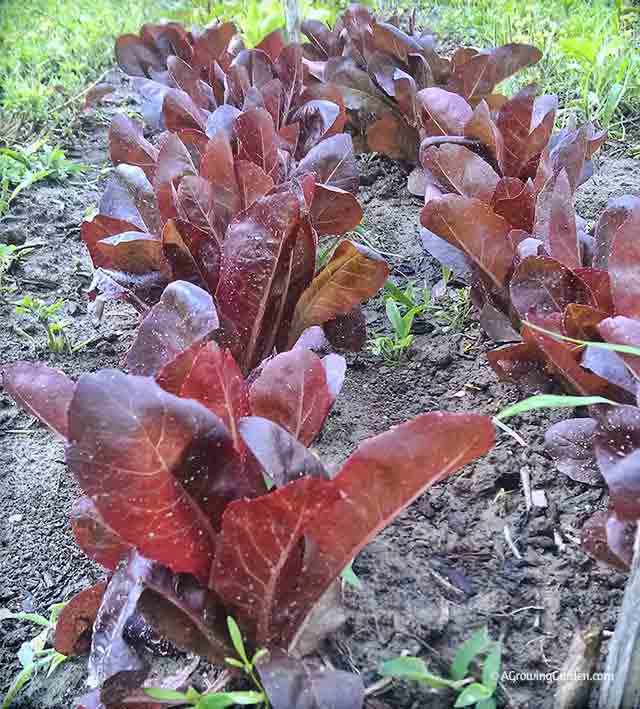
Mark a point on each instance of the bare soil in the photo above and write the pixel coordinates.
(440, 571)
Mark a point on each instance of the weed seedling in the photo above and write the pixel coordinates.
(33, 655)
(219, 700)
(22, 167)
(9, 255)
(393, 347)
(46, 317)
(469, 690)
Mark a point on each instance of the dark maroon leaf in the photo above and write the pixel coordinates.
(333, 163)
(174, 162)
(42, 392)
(442, 112)
(194, 255)
(96, 539)
(359, 93)
(255, 274)
(282, 457)
(73, 628)
(471, 226)
(299, 684)
(555, 221)
(184, 315)
(257, 589)
(187, 614)
(541, 289)
(334, 211)
(618, 210)
(570, 444)
(624, 258)
(129, 197)
(132, 252)
(515, 201)
(128, 145)
(212, 43)
(460, 171)
(292, 391)
(256, 136)
(609, 540)
(136, 450)
(209, 375)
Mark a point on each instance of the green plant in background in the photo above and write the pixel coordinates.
(393, 347)
(34, 656)
(10, 254)
(451, 310)
(256, 18)
(220, 700)
(46, 317)
(591, 57)
(22, 167)
(469, 690)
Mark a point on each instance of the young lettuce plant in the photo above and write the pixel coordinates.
(396, 85)
(256, 254)
(172, 466)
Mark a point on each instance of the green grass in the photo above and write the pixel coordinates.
(51, 50)
(591, 49)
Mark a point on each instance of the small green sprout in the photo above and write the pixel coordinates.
(34, 656)
(220, 700)
(46, 317)
(469, 690)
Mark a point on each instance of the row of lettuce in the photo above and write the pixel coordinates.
(200, 494)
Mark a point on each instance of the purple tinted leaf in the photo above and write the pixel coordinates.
(570, 444)
(299, 684)
(282, 457)
(42, 392)
(184, 315)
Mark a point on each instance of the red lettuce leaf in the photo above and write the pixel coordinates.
(624, 259)
(128, 145)
(183, 316)
(277, 522)
(570, 443)
(292, 390)
(138, 452)
(461, 172)
(298, 684)
(352, 275)
(75, 622)
(282, 457)
(96, 539)
(42, 392)
(192, 254)
(255, 274)
(621, 330)
(471, 226)
(209, 375)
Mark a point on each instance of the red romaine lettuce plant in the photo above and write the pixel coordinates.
(396, 85)
(606, 445)
(172, 466)
(196, 86)
(221, 223)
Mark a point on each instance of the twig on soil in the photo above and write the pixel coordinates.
(378, 687)
(525, 479)
(511, 544)
(442, 580)
(507, 429)
(84, 91)
(527, 608)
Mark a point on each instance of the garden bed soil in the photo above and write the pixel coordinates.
(440, 571)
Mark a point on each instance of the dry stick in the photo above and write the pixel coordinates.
(620, 687)
(509, 539)
(84, 91)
